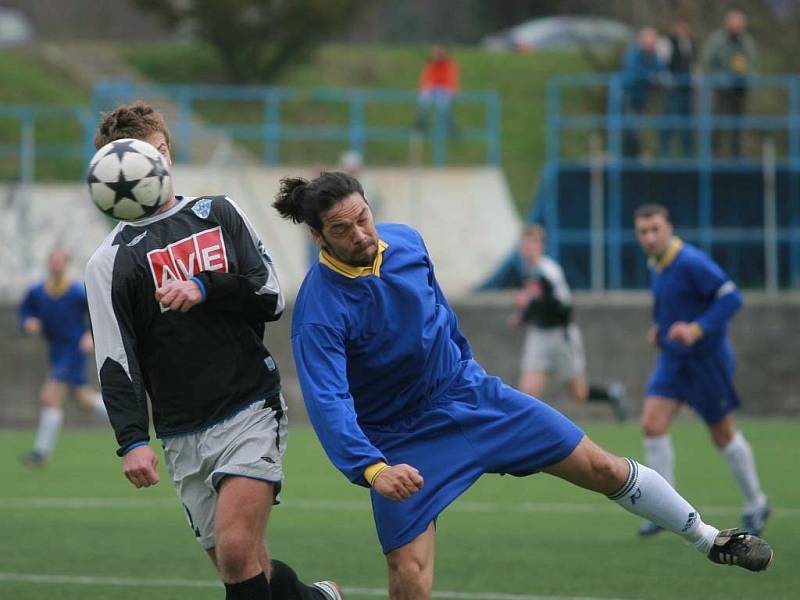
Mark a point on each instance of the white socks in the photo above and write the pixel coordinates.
(659, 455)
(743, 466)
(50, 420)
(647, 494)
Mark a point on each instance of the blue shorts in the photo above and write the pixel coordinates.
(478, 425)
(704, 382)
(68, 365)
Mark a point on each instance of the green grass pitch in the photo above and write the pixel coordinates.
(78, 530)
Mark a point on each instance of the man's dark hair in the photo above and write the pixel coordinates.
(304, 201)
(645, 211)
(137, 120)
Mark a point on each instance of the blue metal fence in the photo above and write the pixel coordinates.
(21, 144)
(274, 128)
(727, 205)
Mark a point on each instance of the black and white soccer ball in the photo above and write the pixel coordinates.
(128, 179)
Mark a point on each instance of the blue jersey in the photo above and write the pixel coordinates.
(689, 286)
(64, 313)
(372, 349)
(387, 376)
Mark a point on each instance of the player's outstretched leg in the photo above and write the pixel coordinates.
(647, 494)
(642, 491)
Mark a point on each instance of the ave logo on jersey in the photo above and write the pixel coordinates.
(182, 260)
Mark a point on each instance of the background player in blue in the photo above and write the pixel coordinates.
(400, 405)
(694, 301)
(56, 308)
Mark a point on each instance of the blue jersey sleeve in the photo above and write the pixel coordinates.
(321, 362)
(724, 297)
(27, 308)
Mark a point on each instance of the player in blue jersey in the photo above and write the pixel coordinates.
(56, 308)
(694, 301)
(400, 405)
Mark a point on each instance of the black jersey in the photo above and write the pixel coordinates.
(198, 366)
(552, 305)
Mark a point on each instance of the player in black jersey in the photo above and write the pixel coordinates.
(178, 303)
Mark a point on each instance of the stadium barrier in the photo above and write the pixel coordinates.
(743, 210)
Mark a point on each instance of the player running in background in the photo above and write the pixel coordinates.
(56, 309)
(694, 301)
(178, 303)
(553, 343)
(400, 405)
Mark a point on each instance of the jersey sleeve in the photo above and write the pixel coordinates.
(724, 297)
(27, 308)
(113, 317)
(321, 362)
(253, 290)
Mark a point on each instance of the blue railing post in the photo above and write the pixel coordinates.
(88, 124)
(184, 124)
(272, 126)
(356, 133)
(551, 171)
(794, 181)
(704, 166)
(493, 129)
(440, 134)
(614, 132)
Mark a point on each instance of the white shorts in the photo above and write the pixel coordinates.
(556, 350)
(250, 443)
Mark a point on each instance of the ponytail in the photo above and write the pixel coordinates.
(304, 201)
(289, 200)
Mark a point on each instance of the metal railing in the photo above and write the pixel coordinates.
(22, 144)
(770, 126)
(271, 127)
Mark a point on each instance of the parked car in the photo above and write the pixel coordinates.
(560, 33)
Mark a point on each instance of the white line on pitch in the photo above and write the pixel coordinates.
(39, 578)
(361, 505)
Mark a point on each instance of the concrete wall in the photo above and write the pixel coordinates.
(613, 326)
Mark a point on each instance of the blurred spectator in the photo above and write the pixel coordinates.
(642, 69)
(438, 86)
(678, 99)
(352, 163)
(731, 53)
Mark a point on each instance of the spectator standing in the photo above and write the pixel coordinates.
(678, 100)
(438, 85)
(642, 69)
(730, 53)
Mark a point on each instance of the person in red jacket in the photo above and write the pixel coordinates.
(438, 85)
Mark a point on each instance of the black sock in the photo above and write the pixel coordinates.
(286, 585)
(255, 588)
(598, 393)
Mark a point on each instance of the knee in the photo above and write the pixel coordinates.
(653, 425)
(721, 438)
(407, 579)
(236, 555)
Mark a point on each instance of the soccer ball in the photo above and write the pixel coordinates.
(128, 179)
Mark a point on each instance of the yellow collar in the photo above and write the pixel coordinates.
(351, 272)
(56, 288)
(665, 260)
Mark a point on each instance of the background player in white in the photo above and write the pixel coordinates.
(56, 309)
(178, 303)
(553, 344)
